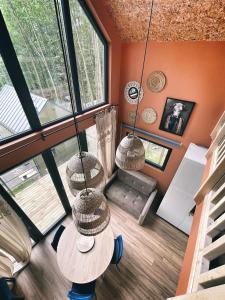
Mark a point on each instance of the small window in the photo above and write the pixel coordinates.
(156, 154)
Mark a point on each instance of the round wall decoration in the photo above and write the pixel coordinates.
(149, 115)
(131, 92)
(156, 81)
(131, 116)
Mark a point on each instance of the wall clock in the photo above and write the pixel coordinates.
(131, 92)
(156, 81)
(149, 115)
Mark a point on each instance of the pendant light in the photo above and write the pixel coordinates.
(130, 154)
(90, 211)
(93, 172)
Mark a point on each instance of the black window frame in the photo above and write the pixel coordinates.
(16, 75)
(18, 80)
(162, 168)
(56, 179)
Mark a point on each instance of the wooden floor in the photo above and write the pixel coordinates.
(41, 202)
(149, 269)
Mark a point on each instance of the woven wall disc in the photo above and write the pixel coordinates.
(149, 115)
(131, 116)
(131, 92)
(156, 81)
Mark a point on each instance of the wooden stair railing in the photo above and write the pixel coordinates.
(207, 278)
(213, 293)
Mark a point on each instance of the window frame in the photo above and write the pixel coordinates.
(18, 80)
(103, 39)
(57, 182)
(162, 168)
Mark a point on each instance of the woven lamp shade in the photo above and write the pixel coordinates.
(130, 154)
(90, 212)
(93, 171)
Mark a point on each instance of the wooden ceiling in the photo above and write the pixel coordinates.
(172, 20)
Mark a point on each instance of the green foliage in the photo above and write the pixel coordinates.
(34, 31)
(22, 186)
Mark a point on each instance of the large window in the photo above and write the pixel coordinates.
(52, 53)
(62, 153)
(30, 185)
(62, 55)
(12, 117)
(90, 57)
(34, 32)
(156, 154)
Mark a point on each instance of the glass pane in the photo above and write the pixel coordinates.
(90, 57)
(62, 153)
(12, 117)
(32, 188)
(91, 135)
(35, 35)
(154, 153)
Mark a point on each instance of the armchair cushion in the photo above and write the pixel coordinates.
(126, 198)
(132, 191)
(138, 181)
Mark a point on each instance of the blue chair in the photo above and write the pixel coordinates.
(118, 250)
(57, 236)
(5, 292)
(82, 291)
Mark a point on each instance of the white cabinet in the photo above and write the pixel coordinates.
(179, 198)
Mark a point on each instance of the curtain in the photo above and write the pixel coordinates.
(6, 266)
(15, 243)
(106, 139)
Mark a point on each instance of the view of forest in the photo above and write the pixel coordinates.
(34, 31)
(35, 35)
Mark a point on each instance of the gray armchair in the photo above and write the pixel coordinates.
(132, 191)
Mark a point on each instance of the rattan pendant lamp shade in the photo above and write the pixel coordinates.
(89, 175)
(130, 154)
(90, 209)
(90, 212)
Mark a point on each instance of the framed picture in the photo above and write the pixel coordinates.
(176, 115)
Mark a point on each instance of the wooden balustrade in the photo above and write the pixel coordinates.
(207, 279)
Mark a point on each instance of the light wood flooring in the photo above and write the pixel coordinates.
(149, 269)
(41, 202)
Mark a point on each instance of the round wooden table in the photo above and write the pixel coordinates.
(84, 267)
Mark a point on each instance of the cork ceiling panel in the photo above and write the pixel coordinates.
(172, 20)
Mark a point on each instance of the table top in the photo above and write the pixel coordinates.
(84, 267)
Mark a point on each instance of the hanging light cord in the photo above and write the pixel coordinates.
(79, 145)
(143, 66)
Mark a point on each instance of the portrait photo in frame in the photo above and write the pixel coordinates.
(176, 115)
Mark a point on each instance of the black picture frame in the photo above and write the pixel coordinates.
(176, 115)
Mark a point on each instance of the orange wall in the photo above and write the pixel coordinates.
(195, 71)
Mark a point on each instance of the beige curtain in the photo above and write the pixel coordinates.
(6, 266)
(106, 139)
(15, 242)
